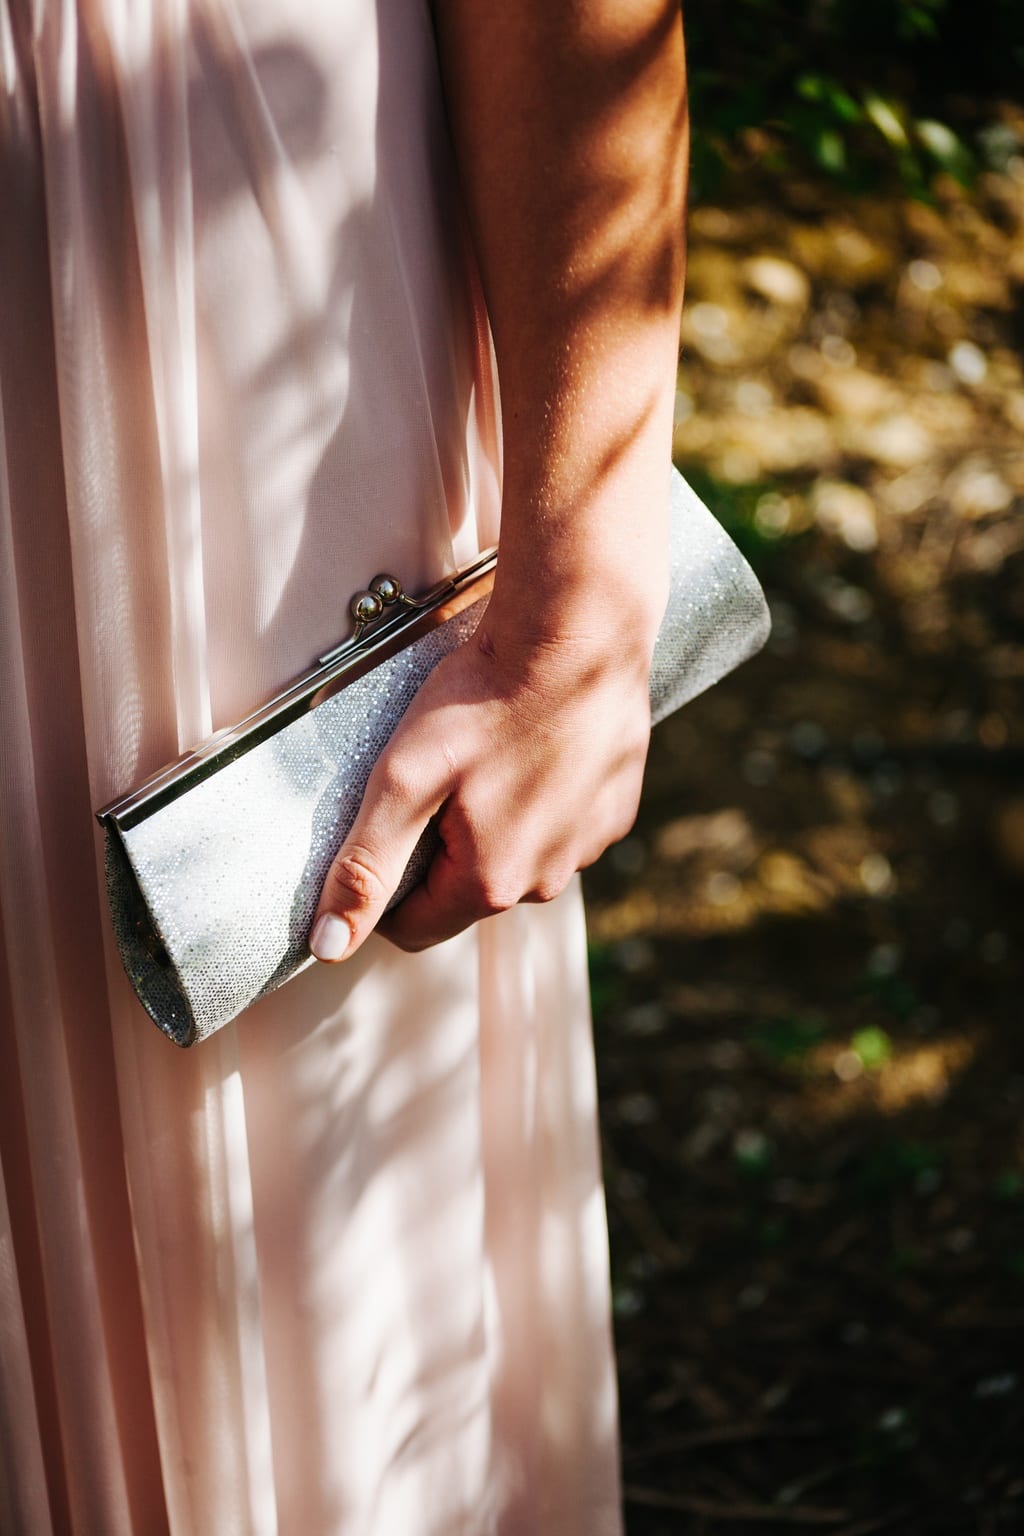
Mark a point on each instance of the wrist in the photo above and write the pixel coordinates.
(595, 580)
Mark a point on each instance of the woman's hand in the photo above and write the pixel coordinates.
(570, 131)
(528, 753)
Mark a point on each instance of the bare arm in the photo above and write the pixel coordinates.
(569, 124)
(570, 130)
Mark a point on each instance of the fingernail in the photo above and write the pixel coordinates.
(330, 938)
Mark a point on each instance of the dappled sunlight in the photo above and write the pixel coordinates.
(843, 352)
(839, 1083)
(713, 874)
(806, 958)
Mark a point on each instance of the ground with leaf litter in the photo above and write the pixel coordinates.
(808, 959)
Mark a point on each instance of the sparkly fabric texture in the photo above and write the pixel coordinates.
(212, 905)
(716, 616)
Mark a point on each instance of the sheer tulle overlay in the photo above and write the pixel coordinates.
(341, 1269)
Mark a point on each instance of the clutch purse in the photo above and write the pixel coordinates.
(214, 864)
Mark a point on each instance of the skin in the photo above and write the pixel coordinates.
(528, 744)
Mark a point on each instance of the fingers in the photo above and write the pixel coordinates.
(370, 863)
(451, 898)
(472, 877)
(488, 861)
(519, 806)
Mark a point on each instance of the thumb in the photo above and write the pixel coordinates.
(370, 863)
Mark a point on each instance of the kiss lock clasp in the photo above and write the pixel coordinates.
(383, 592)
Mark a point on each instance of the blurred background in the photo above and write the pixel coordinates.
(807, 960)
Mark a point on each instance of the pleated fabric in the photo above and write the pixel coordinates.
(342, 1268)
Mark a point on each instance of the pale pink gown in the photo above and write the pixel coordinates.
(342, 1269)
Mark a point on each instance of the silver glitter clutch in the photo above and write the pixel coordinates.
(214, 864)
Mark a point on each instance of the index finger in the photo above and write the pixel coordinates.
(406, 788)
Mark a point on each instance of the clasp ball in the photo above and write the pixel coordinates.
(387, 588)
(365, 607)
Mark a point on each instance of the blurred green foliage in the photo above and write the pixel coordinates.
(1009, 1184)
(606, 984)
(893, 991)
(895, 1163)
(856, 90)
(789, 1040)
(873, 1046)
(737, 508)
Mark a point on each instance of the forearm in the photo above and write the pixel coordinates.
(569, 124)
(526, 749)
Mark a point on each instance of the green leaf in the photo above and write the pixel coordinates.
(885, 116)
(830, 151)
(828, 91)
(873, 1046)
(945, 148)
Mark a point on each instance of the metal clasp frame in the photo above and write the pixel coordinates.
(383, 592)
